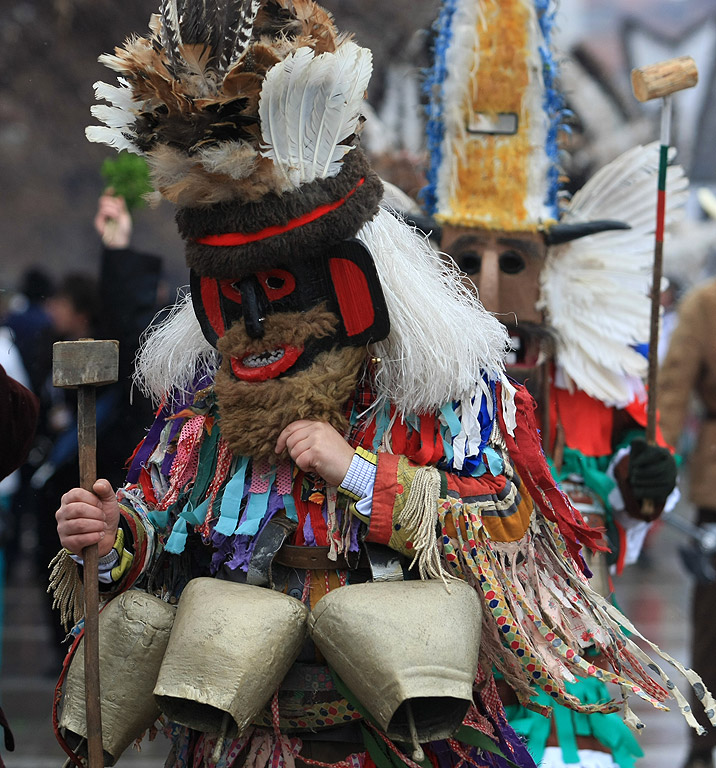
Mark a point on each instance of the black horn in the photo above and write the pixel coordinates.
(565, 233)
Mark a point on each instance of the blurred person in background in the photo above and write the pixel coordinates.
(18, 419)
(28, 320)
(13, 368)
(19, 409)
(129, 288)
(688, 370)
(669, 301)
(31, 324)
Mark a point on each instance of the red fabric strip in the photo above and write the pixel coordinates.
(427, 440)
(145, 482)
(308, 509)
(380, 528)
(241, 238)
(318, 524)
(525, 450)
(399, 436)
(586, 421)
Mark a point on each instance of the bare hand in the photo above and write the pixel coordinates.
(316, 446)
(113, 222)
(85, 518)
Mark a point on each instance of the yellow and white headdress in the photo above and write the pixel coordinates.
(494, 116)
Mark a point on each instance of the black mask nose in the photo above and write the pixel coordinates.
(254, 306)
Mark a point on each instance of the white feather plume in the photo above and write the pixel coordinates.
(442, 341)
(173, 352)
(595, 290)
(309, 105)
(118, 116)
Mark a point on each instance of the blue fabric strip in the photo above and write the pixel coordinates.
(195, 515)
(159, 518)
(231, 501)
(452, 420)
(290, 506)
(494, 462)
(177, 540)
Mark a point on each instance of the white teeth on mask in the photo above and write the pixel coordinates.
(515, 342)
(263, 358)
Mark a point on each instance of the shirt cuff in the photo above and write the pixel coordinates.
(360, 478)
(113, 565)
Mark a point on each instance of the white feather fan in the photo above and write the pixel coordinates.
(118, 118)
(309, 105)
(595, 290)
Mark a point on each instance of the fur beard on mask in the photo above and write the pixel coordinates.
(253, 414)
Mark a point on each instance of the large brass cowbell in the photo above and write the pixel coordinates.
(395, 643)
(231, 646)
(398, 646)
(134, 631)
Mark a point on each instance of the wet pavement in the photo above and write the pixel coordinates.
(655, 595)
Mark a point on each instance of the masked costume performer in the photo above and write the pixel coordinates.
(337, 445)
(570, 279)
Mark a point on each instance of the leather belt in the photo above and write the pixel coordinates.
(316, 558)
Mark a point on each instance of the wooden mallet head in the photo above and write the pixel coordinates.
(85, 365)
(664, 78)
(87, 362)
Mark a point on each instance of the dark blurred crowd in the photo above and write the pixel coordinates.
(116, 298)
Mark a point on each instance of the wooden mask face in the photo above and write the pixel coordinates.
(342, 282)
(505, 268)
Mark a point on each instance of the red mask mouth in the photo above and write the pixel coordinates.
(261, 366)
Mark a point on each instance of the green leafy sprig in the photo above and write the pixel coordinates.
(127, 176)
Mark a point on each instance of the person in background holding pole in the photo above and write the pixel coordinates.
(569, 279)
(128, 290)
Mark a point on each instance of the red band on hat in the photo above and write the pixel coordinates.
(241, 238)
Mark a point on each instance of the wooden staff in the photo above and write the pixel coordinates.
(660, 81)
(84, 365)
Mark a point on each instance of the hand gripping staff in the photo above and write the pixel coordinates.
(84, 365)
(660, 81)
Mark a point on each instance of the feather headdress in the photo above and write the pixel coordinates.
(235, 99)
(247, 112)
